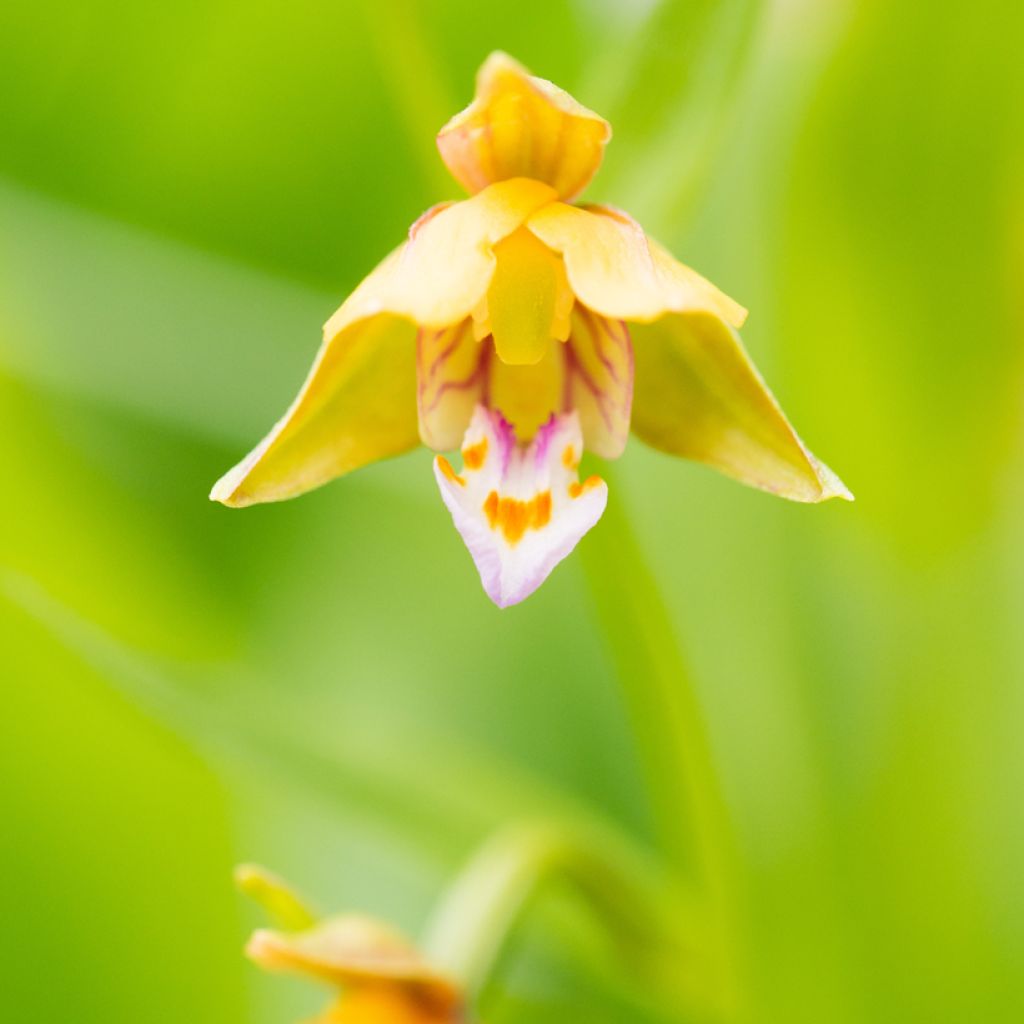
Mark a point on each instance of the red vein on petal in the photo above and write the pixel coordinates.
(442, 357)
(459, 385)
(599, 395)
(596, 330)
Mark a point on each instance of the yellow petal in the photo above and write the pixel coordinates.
(451, 377)
(616, 270)
(358, 404)
(347, 950)
(455, 372)
(529, 300)
(592, 372)
(522, 126)
(698, 395)
(385, 1005)
(599, 368)
(446, 266)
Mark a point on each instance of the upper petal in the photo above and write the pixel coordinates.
(616, 270)
(445, 269)
(358, 404)
(522, 126)
(697, 394)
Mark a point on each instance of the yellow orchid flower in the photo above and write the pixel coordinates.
(500, 326)
(382, 978)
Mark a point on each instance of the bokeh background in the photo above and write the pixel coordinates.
(188, 190)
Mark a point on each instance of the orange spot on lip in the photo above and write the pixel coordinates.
(475, 455)
(514, 517)
(569, 457)
(446, 468)
(576, 489)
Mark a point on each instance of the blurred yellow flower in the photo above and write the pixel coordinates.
(500, 326)
(381, 977)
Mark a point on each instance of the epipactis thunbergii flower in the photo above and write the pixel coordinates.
(380, 976)
(522, 328)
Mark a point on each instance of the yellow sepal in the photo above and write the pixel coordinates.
(697, 394)
(358, 404)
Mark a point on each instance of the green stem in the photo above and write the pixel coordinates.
(475, 918)
(687, 802)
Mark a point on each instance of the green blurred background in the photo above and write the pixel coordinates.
(188, 190)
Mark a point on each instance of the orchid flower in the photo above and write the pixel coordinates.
(380, 976)
(521, 329)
